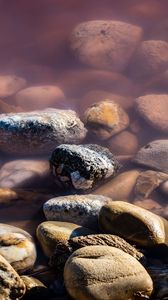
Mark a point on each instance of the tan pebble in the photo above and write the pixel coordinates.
(147, 204)
(105, 44)
(121, 187)
(105, 119)
(133, 223)
(50, 233)
(102, 272)
(10, 84)
(124, 143)
(164, 187)
(154, 109)
(34, 287)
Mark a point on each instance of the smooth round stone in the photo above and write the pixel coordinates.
(23, 173)
(50, 233)
(34, 288)
(6, 108)
(39, 97)
(154, 155)
(105, 119)
(102, 272)
(121, 187)
(164, 187)
(123, 143)
(133, 223)
(39, 132)
(105, 44)
(82, 167)
(17, 247)
(10, 84)
(154, 110)
(83, 209)
(150, 59)
(11, 285)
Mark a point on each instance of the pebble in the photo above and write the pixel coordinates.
(39, 132)
(50, 233)
(105, 44)
(65, 248)
(83, 209)
(10, 84)
(133, 223)
(94, 96)
(40, 97)
(75, 83)
(6, 108)
(154, 155)
(121, 187)
(35, 289)
(11, 285)
(123, 143)
(148, 181)
(149, 204)
(158, 117)
(150, 59)
(17, 247)
(164, 187)
(24, 173)
(82, 167)
(103, 272)
(106, 118)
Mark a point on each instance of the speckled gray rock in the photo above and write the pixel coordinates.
(65, 248)
(82, 166)
(103, 272)
(154, 155)
(105, 44)
(17, 247)
(81, 209)
(38, 132)
(11, 285)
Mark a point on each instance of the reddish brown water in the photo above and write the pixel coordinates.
(34, 44)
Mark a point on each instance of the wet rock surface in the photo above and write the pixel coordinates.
(105, 44)
(84, 209)
(82, 166)
(98, 272)
(38, 132)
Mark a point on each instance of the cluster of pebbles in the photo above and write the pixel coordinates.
(99, 179)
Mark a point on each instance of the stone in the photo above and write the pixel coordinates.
(121, 187)
(157, 117)
(150, 59)
(83, 209)
(11, 285)
(105, 119)
(24, 173)
(105, 44)
(103, 272)
(10, 84)
(164, 187)
(50, 233)
(6, 108)
(34, 288)
(75, 83)
(17, 247)
(65, 248)
(133, 223)
(123, 143)
(95, 96)
(154, 155)
(39, 132)
(82, 167)
(148, 181)
(40, 97)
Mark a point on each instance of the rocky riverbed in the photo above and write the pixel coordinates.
(84, 150)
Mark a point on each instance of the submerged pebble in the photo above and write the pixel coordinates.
(105, 119)
(103, 272)
(154, 155)
(50, 233)
(105, 44)
(10, 84)
(35, 289)
(82, 167)
(83, 209)
(38, 132)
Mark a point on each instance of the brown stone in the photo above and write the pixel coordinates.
(124, 143)
(10, 84)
